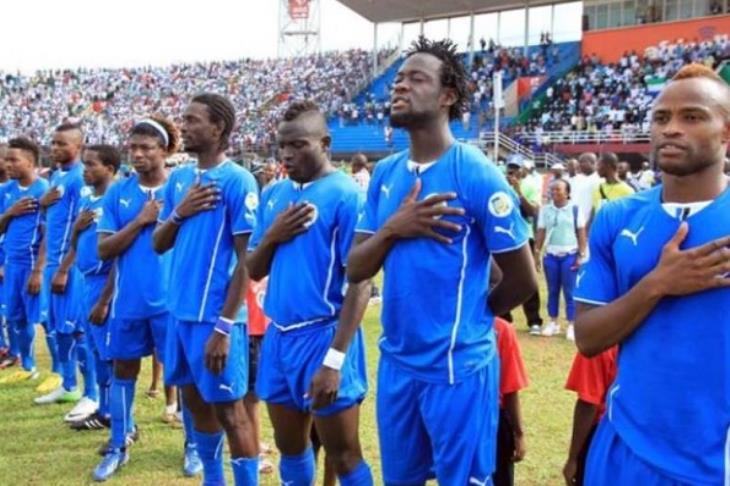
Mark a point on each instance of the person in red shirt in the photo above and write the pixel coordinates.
(590, 378)
(513, 378)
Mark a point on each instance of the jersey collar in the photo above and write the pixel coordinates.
(419, 168)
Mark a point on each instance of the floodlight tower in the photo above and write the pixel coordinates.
(299, 27)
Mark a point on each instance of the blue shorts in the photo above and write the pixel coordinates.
(289, 361)
(21, 307)
(64, 309)
(610, 462)
(92, 287)
(136, 338)
(3, 307)
(186, 361)
(426, 428)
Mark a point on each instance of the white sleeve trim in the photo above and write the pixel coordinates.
(589, 301)
(365, 232)
(111, 232)
(507, 250)
(242, 232)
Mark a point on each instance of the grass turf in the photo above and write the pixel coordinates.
(37, 448)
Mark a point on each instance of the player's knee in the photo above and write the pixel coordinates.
(126, 370)
(232, 416)
(343, 460)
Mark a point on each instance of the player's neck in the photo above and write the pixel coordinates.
(100, 188)
(209, 159)
(612, 179)
(429, 143)
(27, 180)
(69, 164)
(703, 186)
(154, 178)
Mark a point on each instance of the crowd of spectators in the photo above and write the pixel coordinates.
(108, 101)
(616, 97)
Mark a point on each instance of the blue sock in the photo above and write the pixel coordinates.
(4, 340)
(298, 470)
(210, 450)
(14, 340)
(26, 337)
(52, 348)
(87, 367)
(187, 419)
(360, 476)
(67, 357)
(121, 400)
(103, 378)
(245, 471)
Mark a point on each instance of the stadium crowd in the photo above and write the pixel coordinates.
(617, 97)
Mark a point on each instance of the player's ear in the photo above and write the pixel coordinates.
(448, 97)
(325, 143)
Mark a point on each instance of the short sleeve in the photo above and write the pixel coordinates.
(596, 283)
(367, 221)
(109, 222)
(168, 199)
(495, 206)
(513, 376)
(347, 216)
(242, 200)
(259, 228)
(590, 378)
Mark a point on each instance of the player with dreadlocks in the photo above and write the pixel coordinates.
(435, 215)
(208, 215)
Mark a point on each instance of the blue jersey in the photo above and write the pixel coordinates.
(312, 265)
(3, 188)
(140, 289)
(436, 322)
(24, 233)
(670, 402)
(60, 216)
(205, 253)
(87, 253)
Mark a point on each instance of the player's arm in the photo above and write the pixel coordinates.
(584, 416)
(679, 272)
(519, 280)
(218, 345)
(112, 245)
(198, 198)
(287, 225)
(326, 382)
(100, 310)
(414, 219)
(23, 206)
(36, 273)
(511, 403)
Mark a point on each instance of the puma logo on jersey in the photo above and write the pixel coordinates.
(125, 202)
(578, 278)
(385, 190)
(271, 204)
(634, 237)
(179, 186)
(507, 231)
(225, 388)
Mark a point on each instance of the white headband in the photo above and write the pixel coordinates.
(158, 127)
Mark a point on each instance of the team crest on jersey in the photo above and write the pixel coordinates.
(252, 201)
(315, 215)
(98, 213)
(60, 189)
(441, 204)
(500, 204)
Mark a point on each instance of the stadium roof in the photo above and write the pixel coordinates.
(414, 10)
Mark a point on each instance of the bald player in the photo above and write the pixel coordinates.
(312, 358)
(658, 285)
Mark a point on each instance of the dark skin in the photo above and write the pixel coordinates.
(690, 133)
(148, 158)
(203, 138)
(66, 147)
(420, 104)
(303, 145)
(98, 176)
(584, 415)
(21, 167)
(587, 163)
